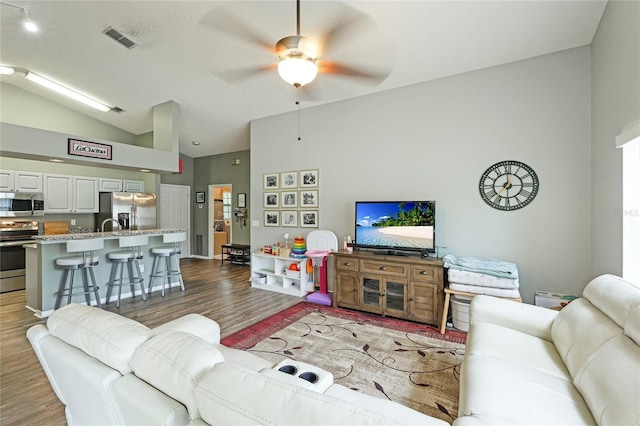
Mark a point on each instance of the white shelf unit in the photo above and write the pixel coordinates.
(271, 273)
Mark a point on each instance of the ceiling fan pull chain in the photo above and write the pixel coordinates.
(298, 103)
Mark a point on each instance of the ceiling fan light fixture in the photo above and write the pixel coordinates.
(297, 71)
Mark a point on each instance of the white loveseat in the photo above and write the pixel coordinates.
(529, 365)
(107, 369)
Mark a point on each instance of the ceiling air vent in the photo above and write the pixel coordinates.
(117, 109)
(117, 36)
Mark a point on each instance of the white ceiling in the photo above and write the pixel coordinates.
(183, 53)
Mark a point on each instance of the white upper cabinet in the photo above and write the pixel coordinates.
(58, 193)
(133, 186)
(20, 181)
(110, 185)
(6, 180)
(85, 194)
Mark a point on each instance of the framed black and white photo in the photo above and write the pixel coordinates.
(242, 200)
(288, 180)
(271, 200)
(289, 199)
(308, 199)
(290, 218)
(309, 178)
(309, 219)
(199, 197)
(271, 218)
(271, 181)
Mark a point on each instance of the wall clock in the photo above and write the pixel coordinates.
(509, 185)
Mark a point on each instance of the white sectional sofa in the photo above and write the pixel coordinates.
(529, 365)
(110, 370)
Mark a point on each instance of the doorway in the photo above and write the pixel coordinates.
(219, 218)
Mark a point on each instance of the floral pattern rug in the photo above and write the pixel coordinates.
(409, 363)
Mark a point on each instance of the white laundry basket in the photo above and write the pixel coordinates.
(460, 311)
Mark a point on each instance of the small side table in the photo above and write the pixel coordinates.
(236, 253)
(447, 296)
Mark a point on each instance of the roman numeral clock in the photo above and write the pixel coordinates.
(509, 185)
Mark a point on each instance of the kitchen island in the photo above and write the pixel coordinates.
(43, 278)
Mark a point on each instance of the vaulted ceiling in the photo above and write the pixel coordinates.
(198, 53)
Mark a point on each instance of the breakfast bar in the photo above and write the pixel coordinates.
(43, 277)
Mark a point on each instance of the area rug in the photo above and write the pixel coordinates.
(409, 363)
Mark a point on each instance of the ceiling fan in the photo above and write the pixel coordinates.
(300, 58)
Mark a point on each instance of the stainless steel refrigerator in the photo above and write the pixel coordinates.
(132, 210)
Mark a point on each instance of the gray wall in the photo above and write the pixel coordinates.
(218, 170)
(434, 140)
(615, 59)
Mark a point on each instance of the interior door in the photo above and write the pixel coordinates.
(175, 211)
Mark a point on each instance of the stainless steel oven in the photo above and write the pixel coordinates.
(13, 235)
(17, 204)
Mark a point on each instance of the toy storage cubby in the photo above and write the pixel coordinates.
(270, 272)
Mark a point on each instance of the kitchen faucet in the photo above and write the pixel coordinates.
(110, 219)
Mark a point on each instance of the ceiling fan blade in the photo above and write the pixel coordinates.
(221, 20)
(351, 24)
(243, 74)
(373, 76)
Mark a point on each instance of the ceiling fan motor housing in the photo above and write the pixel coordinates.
(296, 46)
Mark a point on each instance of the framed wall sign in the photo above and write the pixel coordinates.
(242, 200)
(199, 197)
(89, 149)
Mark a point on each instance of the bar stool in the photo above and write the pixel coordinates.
(165, 255)
(85, 264)
(132, 260)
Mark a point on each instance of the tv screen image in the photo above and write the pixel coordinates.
(407, 225)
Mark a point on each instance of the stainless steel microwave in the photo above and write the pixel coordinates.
(14, 204)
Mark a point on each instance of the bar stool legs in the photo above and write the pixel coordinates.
(165, 255)
(67, 288)
(132, 260)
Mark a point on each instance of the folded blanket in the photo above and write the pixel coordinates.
(475, 289)
(499, 268)
(484, 280)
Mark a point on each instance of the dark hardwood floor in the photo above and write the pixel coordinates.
(220, 292)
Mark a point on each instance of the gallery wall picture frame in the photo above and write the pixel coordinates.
(271, 200)
(272, 218)
(289, 199)
(309, 199)
(200, 197)
(309, 219)
(242, 200)
(309, 178)
(289, 218)
(271, 181)
(288, 180)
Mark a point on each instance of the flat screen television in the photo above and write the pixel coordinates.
(396, 227)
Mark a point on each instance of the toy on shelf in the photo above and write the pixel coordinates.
(299, 247)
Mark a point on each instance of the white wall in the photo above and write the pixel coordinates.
(433, 141)
(615, 107)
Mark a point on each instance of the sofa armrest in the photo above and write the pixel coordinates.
(198, 325)
(529, 319)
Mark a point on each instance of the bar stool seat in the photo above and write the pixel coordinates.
(132, 259)
(167, 255)
(85, 264)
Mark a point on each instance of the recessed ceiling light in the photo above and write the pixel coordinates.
(56, 160)
(145, 170)
(195, 143)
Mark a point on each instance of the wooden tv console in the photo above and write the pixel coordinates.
(407, 287)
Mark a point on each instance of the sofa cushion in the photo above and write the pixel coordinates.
(196, 324)
(614, 296)
(173, 362)
(109, 337)
(243, 358)
(579, 330)
(610, 382)
(498, 388)
(490, 340)
(231, 394)
(632, 327)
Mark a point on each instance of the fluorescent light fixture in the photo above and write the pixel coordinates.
(67, 92)
(56, 160)
(6, 70)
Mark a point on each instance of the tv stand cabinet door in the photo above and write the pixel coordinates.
(423, 303)
(346, 290)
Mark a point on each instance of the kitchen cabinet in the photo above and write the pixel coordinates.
(133, 186)
(403, 287)
(20, 181)
(70, 194)
(110, 185)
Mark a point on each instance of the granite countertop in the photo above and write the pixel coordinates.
(43, 239)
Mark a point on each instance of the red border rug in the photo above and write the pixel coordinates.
(409, 363)
(250, 336)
